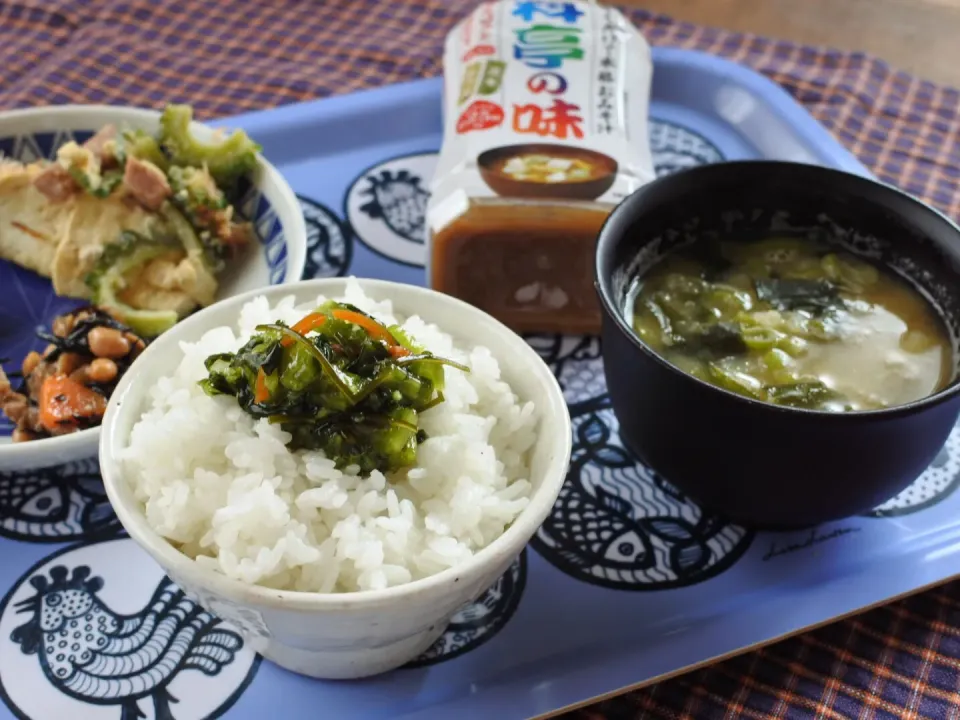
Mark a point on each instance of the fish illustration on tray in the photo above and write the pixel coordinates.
(399, 201)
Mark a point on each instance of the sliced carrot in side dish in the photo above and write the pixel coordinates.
(373, 328)
(399, 351)
(310, 322)
(263, 392)
(64, 401)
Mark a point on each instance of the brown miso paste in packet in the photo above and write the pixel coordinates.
(545, 130)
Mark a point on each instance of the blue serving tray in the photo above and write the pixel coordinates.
(643, 586)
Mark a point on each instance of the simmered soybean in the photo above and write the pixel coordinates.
(792, 322)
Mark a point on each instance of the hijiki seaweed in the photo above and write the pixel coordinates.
(66, 388)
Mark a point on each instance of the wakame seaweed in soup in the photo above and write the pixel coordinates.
(792, 322)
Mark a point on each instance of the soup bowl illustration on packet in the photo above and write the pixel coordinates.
(542, 170)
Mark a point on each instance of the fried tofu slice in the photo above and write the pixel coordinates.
(174, 282)
(31, 227)
(50, 225)
(93, 224)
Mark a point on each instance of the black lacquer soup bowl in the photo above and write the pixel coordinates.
(757, 463)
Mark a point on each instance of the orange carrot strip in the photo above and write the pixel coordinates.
(262, 393)
(310, 322)
(373, 328)
(64, 401)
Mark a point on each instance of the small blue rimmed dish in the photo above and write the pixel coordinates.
(28, 301)
(756, 462)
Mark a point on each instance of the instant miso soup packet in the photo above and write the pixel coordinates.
(545, 130)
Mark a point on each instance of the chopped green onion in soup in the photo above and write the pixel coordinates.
(790, 322)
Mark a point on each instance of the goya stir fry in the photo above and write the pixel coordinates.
(338, 381)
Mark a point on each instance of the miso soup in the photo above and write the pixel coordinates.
(792, 322)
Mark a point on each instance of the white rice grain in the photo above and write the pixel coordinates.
(225, 489)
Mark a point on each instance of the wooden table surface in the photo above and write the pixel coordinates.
(920, 36)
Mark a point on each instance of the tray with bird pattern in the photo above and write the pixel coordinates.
(627, 581)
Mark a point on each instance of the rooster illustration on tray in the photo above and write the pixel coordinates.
(398, 200)
(95, 655)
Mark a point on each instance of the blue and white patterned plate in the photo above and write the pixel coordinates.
(27, 301)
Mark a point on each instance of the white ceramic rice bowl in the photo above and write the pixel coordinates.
(347, 635)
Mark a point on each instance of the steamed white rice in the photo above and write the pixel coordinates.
(226, 490)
